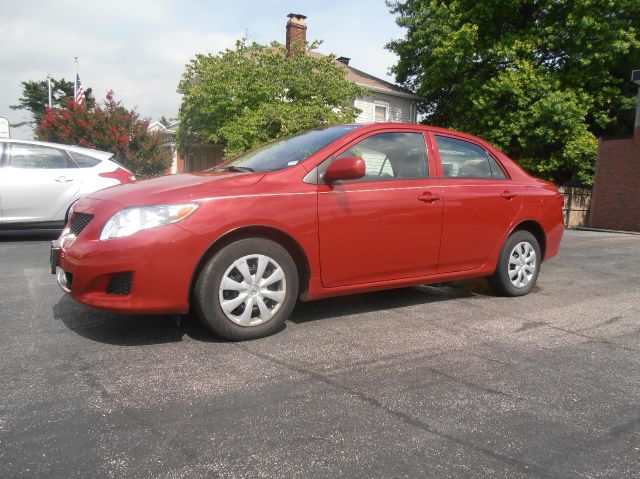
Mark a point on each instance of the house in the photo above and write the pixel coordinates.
(384, 102)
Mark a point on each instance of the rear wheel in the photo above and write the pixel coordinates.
(247, 290)
(518, 265)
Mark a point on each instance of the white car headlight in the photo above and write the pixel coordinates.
(131, 220)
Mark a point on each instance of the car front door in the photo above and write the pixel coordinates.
(37, 183)
(387, 225)
(480, 204)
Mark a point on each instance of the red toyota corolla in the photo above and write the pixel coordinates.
(332, 211)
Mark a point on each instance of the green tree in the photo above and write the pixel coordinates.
(249, 95)
(540, 79)
(108, 127)
(35, 97)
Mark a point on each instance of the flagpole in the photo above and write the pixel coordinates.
(49, 85)
(75, 81)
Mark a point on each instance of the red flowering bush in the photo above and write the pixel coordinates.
(108, 127)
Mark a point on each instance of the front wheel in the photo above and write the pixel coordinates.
(247, 290)
(518, 265)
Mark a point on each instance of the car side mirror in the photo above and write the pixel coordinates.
(351, 168)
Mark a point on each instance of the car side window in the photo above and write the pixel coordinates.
(38, 157)
(84, 161)
(496, 170)
(462, 159)
(391, 156)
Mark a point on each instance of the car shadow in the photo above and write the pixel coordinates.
(128, 329)
(388, 299)
(140, 330)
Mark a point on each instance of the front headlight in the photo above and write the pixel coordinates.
(132, 220)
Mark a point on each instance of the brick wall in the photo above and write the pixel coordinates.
(616, 190)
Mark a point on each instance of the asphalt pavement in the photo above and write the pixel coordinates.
(433, 381)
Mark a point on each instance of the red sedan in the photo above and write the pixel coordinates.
(331, 211)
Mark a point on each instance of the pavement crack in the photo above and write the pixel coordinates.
(518, 464)
(594, 338)
(615, 319)
(464, 382)
(493, 360)
(625, 428)
(530, 325)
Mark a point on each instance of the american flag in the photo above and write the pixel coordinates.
(79, 91)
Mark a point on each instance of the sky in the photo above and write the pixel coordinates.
(139, 48)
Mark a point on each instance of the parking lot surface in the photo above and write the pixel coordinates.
(433, 381)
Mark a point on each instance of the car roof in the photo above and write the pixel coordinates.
(420, 126)
(101, 155)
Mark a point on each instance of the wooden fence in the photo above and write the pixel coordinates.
(577, 204)
(200, 157)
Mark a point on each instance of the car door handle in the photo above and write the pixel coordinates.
(428, 197)
(63, 179)
(508, 195)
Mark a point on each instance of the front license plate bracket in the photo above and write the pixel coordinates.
(54, 256)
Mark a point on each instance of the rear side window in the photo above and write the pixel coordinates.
(496, 170)
(38, 157)
(462, 159)
(84, 161)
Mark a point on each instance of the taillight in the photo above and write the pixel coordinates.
(120, 174)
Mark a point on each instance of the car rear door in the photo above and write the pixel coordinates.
(387, 225)
(37, 183)
(480, 203)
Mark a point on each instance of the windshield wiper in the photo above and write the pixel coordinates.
(236, 168)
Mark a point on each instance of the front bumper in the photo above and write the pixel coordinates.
(147, 272)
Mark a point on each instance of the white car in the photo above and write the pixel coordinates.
(39, 181)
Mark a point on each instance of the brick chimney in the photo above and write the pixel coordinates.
(296, 32)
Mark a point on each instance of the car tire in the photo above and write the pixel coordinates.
(518, 265)
(252, 272)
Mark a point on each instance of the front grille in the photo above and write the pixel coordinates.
(68, 278)
(120, 283)
(79, 222)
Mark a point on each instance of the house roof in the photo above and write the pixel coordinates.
(169, 130)
(368, 81)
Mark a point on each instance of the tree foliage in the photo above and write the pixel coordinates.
(35, 97)
(108, 127)
(249, 95)
(539, 78)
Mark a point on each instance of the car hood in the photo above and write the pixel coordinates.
(177, 188)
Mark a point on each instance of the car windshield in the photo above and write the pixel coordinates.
(282, 154)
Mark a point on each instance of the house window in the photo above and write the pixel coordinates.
(380, 113)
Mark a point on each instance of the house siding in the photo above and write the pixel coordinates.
(401, 110)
